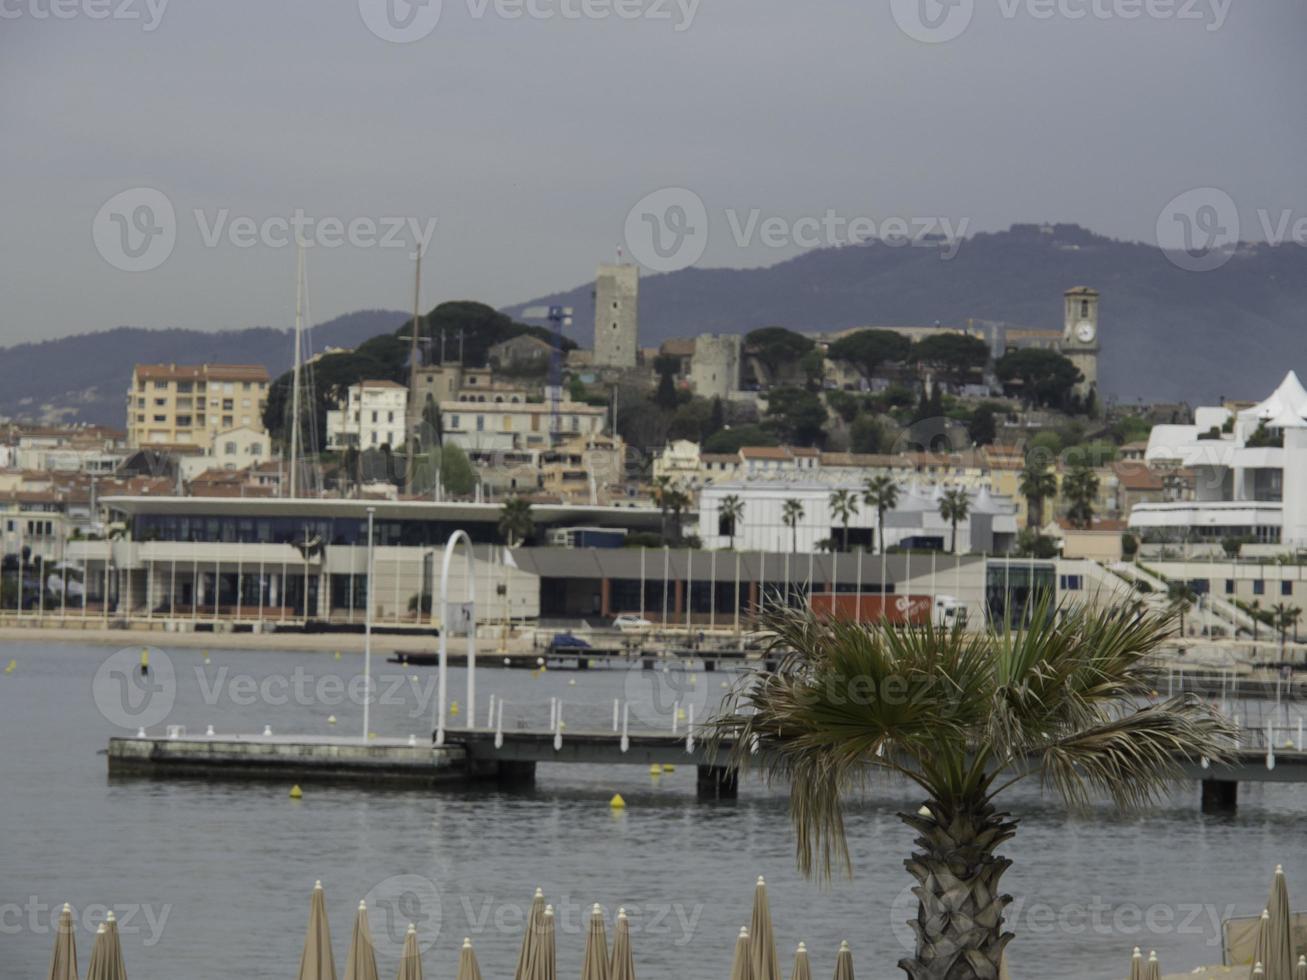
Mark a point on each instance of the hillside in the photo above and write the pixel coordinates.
(85, 377)
(1167, 334)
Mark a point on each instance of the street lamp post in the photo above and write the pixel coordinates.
(443, 687)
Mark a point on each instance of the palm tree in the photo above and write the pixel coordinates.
(1038, 483)
(844, 506)
(954, 507)
(672, 501)
(1080, 488)
(972, 714)
(515, 522)
(791, 514)
(731, 509)
(882, 493)
(1182, 596)
(1286, 616)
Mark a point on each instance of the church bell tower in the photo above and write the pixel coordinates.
(1080, 334)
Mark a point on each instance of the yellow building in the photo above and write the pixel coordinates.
(187, 404)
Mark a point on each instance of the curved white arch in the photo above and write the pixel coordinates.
(442, 694)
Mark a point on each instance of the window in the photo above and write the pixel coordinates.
(183, 421)
(1084, 307)
(230, 448)
(1229, 586)
(453, 422)
(1259, 587)
(256, 449)
(228, 404)
(481, 423)
(161, 418)
(227, 421)
(1073, 583)
(374, 437)
(374, 418)
(390, 416)
(1286, 587)
(160, 402)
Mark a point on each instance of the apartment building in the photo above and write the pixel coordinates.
(186, 405)
(371, 417)
(483, 426)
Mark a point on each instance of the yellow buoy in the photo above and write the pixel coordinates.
(11, 666)
(453, 708)
(331, 719)
(668, 767)
(680, 714)
(655, 770)
(337, 654)
(145, 658)
(296, 792)
(617, 803)
(372, 734)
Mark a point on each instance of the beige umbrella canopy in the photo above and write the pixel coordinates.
(596, 965)
(844, 963)
(763, 962)
(741, 963)
(468, 968)
(317, 961)
(1277, 957)
(544, 961)
(63, 962)
(1300, 971)
(623, 964)
(410, 960)
(802, 968)
(1137, 964)
(1262, 948)
(107, 953)
(361, 960)
(534, 924)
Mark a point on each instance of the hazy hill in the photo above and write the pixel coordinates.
(85, 377)
(1167, 334)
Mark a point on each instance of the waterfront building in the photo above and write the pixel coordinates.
(171, 405)
(505, 426)
(371, 416)
(1249, 471)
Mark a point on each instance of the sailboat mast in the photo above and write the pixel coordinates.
(413, 369)
(295, 374)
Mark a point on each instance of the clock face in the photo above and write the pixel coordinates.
(1085, 332)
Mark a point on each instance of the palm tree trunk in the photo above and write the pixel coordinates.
(794, 531)
(959, 923)
(953, 545)
(846, 535)
(880, 529)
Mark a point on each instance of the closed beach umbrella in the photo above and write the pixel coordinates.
(596, 965)
(763, 962)
(410, 961)
(63, 962)
(844, 963)
(107, 954)
(544, 962)
(741, 962)
(623, 965)
(802, 968)
(468, 968)
(533, 926)
(1137, 964)
(1300, 971)
(361, 960)
(1277, 958)
(1153, 971)
(1262, 948)
(317, 961)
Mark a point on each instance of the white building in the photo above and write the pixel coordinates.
(240, 448)
(372, 416)
(1250, 475)
(990, 527)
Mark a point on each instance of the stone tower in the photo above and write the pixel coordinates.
(617, 301)
(1080, 334)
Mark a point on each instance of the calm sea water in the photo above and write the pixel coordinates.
(212, 880)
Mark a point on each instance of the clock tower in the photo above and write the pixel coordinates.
(1080, 334)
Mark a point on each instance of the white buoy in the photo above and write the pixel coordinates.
(267, 729)
(209, 730)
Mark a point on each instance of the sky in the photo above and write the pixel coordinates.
(156, 153)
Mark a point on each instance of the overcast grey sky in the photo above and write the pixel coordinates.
(530, 138)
